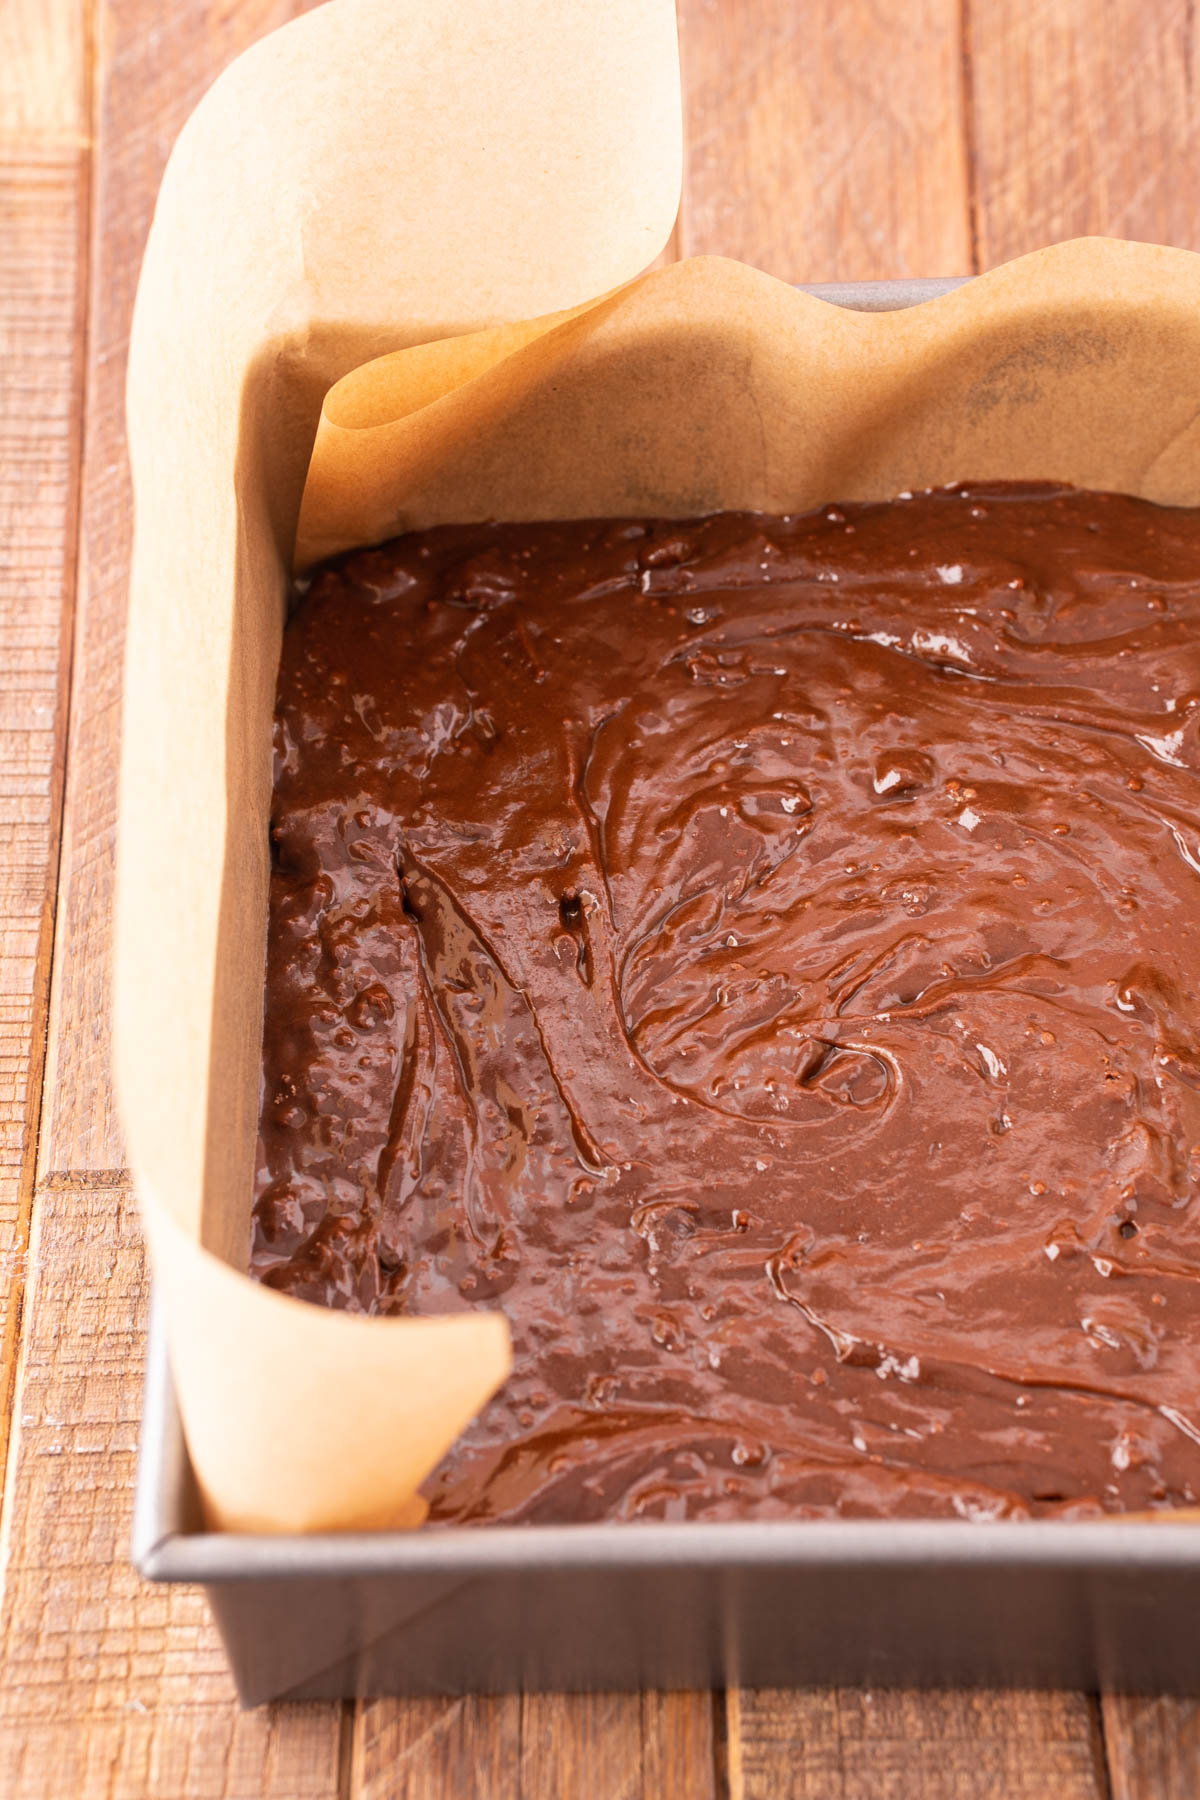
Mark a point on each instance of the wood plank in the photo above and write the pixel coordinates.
(826, 142)
(1087, 119)
(683, 1747)
(514, 1747)
(1153, 1747)
(112, 1689)
(43, 270)
(621, 1746)
(148, 80)
(538, 1747)
(581, 1743)
(427, 1749)
(871, 1744)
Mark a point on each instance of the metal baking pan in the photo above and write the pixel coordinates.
(863, 1602)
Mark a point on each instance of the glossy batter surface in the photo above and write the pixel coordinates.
(762, 956)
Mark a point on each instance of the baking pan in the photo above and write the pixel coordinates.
(862, 1602)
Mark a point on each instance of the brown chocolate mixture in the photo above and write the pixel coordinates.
(762, 956)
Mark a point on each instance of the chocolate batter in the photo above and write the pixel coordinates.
(761, 956)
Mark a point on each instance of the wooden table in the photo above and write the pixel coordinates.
(828, 140)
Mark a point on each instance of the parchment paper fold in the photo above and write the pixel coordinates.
(708, 384)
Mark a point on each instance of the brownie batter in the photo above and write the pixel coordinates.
(762, 957)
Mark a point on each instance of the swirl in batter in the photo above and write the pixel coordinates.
(761, 956)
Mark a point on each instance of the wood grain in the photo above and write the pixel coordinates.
(112, 1689)
(877, 1745)
(425, 1749)
(538, 1747)
(683, 1747)
(43, 213)
(826, 141)
(1086, 120)
(1153, 1747)
(148, 79)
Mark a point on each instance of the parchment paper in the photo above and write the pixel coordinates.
(708, 384)
(373, 177)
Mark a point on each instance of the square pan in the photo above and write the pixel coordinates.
(498, 1608)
